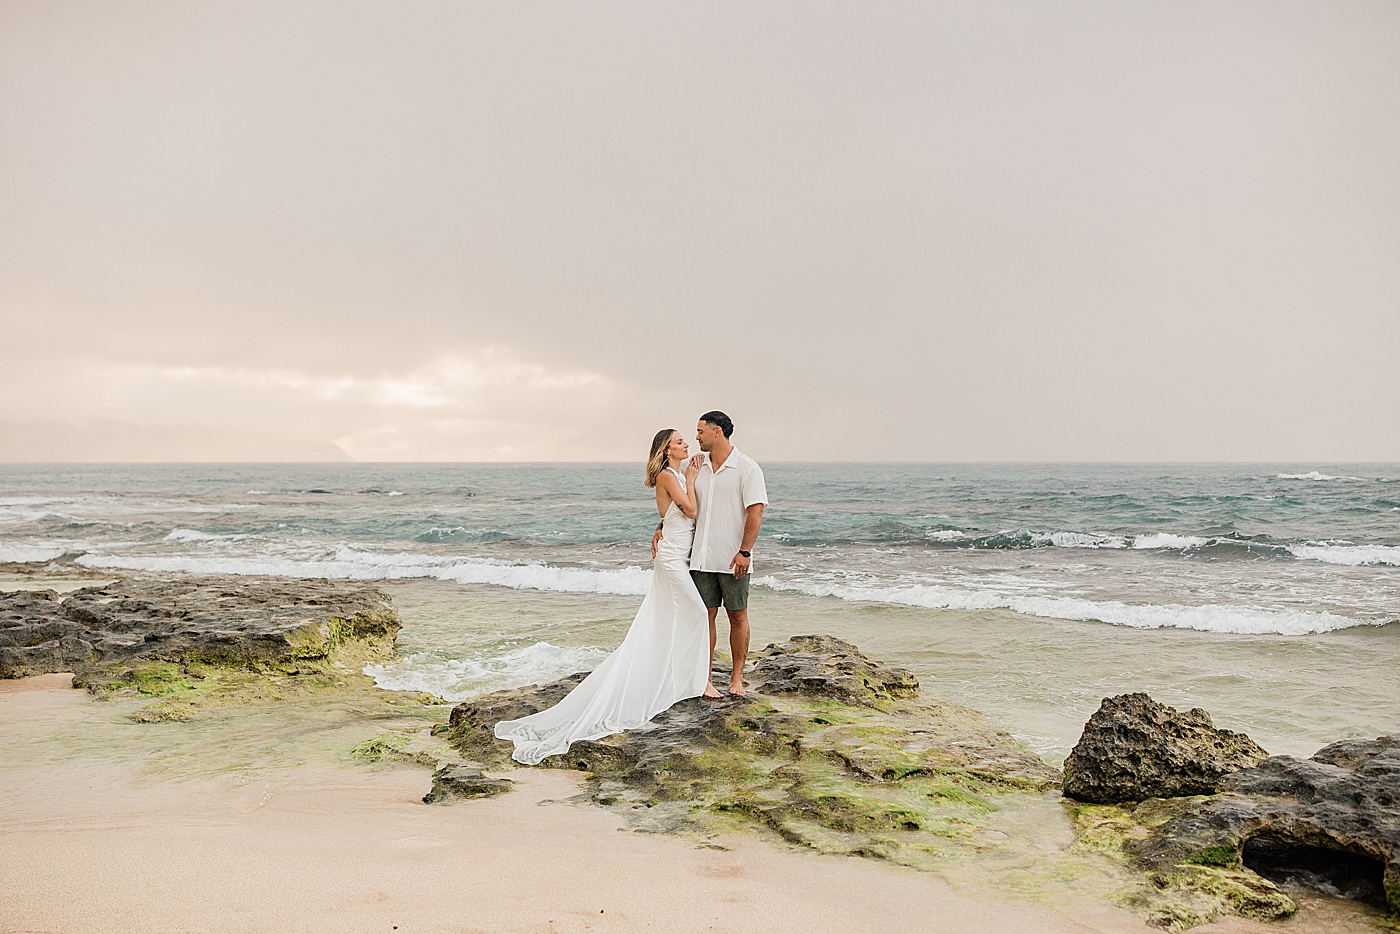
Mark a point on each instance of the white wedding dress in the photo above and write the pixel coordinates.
(664, 658)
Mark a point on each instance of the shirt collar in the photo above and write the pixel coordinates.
(733, 453)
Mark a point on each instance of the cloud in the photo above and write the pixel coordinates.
(488, 404)
(450, 381)
(106, 440)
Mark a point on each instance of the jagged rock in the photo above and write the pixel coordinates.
(480, 715)
(37, 637)
(464, 781)
(1349, 753)
(215, 620)
(1331, 822)
(831, 750)
(823, 666)
(1134, 748)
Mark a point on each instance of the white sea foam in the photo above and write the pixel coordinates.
(1315, 475)
(18, 511)
(1353, 555)
(1168, 540)
(458, 679)
(29, 554)
(1209, 618)
(355, 564)
(34, 500)
(1084, 540)
(193, 535)
(946, 535)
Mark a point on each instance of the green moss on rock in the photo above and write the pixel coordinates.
(381, 747)
(1238, 891)
(191, 620)
(158, 678)
(162, 712)
(1223, 855)
(1196, 887)
(831, 750)
(1105, 829)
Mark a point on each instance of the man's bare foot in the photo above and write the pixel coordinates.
(736, 689)
(711, 692)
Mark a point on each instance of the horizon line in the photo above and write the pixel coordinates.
(563, 463)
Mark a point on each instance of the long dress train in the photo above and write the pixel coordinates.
(664, 658)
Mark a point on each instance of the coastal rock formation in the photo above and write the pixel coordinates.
(1331, 823)
(465, 781)
(831, 750)
(821, 666)
(1134, 748)
(118, 632)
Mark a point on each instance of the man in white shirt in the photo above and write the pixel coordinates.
(731, 495)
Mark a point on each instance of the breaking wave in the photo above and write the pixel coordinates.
(458, 679)
(194, 535)
(30, 554)
(1210, 618)
(1025, 538)
(354, 564)
(1352, 555)
(1168, 540)
(459, 533)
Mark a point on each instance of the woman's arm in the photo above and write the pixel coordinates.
(683, 497)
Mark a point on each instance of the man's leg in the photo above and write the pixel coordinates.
(708, 586)
(710, 671)
(738, 647)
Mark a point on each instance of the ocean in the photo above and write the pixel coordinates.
(1268, 594)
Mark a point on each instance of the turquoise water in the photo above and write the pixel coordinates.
(1256, 549)
(1029, 590)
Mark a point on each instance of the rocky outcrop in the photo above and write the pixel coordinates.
(1134, 748)
(466, 780)
(831, 750)
(822, 666)
(110, 631)
(37, 637)
(1331, 823)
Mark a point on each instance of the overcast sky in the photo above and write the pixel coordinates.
(927, 231)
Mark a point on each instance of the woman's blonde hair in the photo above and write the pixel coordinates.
(656, 462)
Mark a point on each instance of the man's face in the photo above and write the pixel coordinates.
(707, 435)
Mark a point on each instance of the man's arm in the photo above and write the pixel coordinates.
(753, 520)
(656, 539)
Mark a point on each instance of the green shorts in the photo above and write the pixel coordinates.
(724, 590)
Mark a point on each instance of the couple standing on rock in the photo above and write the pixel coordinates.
(711, 507)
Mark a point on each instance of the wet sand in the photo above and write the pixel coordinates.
(93, 843)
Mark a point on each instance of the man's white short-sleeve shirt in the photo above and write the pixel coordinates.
(724, 496)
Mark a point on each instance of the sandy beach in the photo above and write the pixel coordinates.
(253, 806)
(94, 843)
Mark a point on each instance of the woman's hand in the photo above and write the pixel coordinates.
(693, 466)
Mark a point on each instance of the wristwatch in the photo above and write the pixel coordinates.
(746, 554)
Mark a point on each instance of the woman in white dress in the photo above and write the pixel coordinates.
(666, 654)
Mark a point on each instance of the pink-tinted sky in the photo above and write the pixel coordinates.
(926, 231)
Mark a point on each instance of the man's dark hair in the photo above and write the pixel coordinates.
(721, 421)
